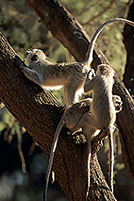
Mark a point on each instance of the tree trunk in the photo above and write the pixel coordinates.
(127, 139)
(128, 40)
(39, 112)
(73, 37)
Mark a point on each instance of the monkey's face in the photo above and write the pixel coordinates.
(35, 55)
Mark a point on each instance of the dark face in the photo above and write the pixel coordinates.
(34, 57)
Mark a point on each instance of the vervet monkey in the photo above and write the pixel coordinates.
(69, 75)
(70, 119)
(102, 114)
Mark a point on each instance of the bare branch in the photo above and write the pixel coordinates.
(100, 13)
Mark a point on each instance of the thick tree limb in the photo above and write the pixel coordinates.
(128, 139)
(39, 112)
(69, 32)
(128, 40)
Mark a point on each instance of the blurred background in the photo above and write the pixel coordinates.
(22, 163)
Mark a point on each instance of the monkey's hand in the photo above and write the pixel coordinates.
(79, 138)
(19, 64)
(90, 75)
(117, 103)
(22, 66)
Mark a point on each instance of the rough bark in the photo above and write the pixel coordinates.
(128, 40)
(127, 139)
(73, 37)
(39, 112)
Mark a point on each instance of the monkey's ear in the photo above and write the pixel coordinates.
(34, 58)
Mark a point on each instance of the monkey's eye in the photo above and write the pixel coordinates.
(28, 52)
(34, 57)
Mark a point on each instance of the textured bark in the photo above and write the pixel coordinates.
(73, 37)
(39, 112)
(127, 139)
(128, 40)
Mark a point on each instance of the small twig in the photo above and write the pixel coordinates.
(32, 148)
(99, 14)
(23, 163)
(10, 125)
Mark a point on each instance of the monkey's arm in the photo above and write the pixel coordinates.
(31, 74)
(89, 84)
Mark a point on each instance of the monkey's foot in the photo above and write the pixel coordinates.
(78, 137)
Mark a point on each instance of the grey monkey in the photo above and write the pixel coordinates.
(102, 114)
(70, 76)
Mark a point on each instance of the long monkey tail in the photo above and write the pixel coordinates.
(111, 159)
(88, 168)
(53, 148)
(89, 56)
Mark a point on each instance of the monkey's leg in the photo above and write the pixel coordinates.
(67, 103)
(70, 93)
(89, 84)
(87, 122)
(31, 74)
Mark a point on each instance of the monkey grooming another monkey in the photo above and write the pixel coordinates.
(71, 76)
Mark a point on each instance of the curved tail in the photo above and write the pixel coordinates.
(53, 148)
(89, 57)
(111, 160)
(88, 169)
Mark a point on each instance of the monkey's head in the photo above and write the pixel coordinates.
(35, 55)
(105, 69)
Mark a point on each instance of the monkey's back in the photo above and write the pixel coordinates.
(102, 106)
(65, 70)
(60, 74)
(74, 113)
